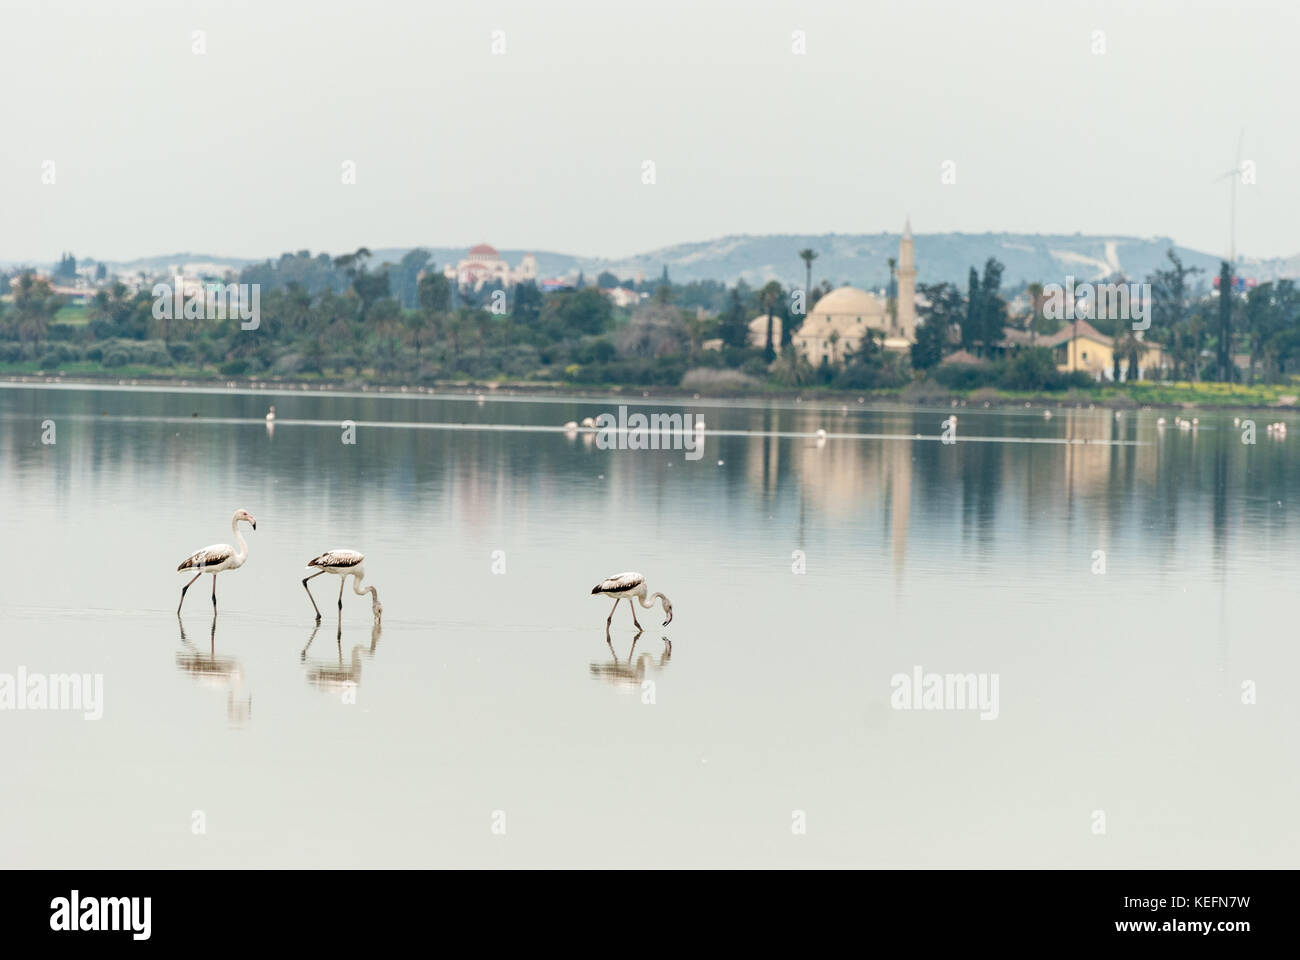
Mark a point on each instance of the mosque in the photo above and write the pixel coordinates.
(840, 321)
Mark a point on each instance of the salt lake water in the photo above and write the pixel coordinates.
(1131, 589)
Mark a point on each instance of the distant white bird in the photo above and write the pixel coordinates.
(571, 427)
(343, 564)
(821, 434)
(1047, 414)
(589, 423)
(1160, 421)
(270, 414)
(217, 558)
(632, 587)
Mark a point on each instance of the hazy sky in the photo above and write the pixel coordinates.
(239, 151)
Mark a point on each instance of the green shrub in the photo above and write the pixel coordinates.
(1033, 368)
(964, 376)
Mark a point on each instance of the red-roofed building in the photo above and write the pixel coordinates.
(484, 265)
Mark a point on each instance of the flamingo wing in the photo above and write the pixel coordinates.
(338, 558)
(619, 583)
(207, 557)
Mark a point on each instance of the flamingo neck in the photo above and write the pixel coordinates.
(649, 604)
(357, 589)
(241, 553)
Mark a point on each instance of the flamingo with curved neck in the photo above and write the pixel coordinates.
(631, 586)
(343, 564)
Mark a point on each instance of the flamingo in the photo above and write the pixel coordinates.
(631, 586)
(343, 564)
(217, 558)
(270, 414)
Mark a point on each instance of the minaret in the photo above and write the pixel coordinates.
(906, 284)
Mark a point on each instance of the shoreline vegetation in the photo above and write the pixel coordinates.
(1141, 395)
(1176, 341)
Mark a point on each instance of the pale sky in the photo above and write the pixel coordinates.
(239, 151)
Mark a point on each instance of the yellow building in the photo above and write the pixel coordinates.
(1079, 346)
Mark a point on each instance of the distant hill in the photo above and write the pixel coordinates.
(861, 259)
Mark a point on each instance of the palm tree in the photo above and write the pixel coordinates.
(807, 256)
(1035, 291)
(353, 263)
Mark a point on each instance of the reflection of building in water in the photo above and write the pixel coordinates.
(630, 674)
(217, 673)
(849, 477)
(899, 491)
(336, 676)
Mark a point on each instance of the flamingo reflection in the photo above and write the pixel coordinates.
(629, 673)
(335, 677)
(220, 673)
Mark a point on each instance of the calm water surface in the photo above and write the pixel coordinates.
(491, 699)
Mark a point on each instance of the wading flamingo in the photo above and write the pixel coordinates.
(343, 564)
(217, 558)
(631, 586)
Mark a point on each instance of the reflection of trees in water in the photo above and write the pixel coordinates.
(1179, 481)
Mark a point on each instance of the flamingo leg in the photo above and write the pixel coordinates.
(631, 605)
(183, 589)
(310, 597)
(342, 583)
(611, 614)
(214, 593)
(315, 630)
